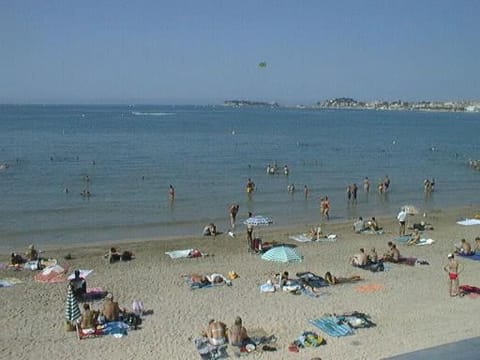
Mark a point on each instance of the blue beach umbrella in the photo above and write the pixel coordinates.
(282, 254)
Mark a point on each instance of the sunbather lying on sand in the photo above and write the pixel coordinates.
(333, 280)
(209, 279)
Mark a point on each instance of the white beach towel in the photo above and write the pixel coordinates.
(300, 238)
(177, 254)
(469, 222)
(425, 242)
(83, 274)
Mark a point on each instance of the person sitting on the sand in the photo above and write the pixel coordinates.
(216, 332)
(372, 224)
(372, 257)
(88, 320)
(359, 259)
(113, 255)
(414, 239)
(359, 225)
(316, 232)
(333, 280)
(79, 285)
(111, 310)
(210, 230)
(464, 249)
(237, 334)
(393, 255)
(477, 245)
(17, 259)
(32, 253)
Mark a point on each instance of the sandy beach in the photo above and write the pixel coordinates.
(411, 306)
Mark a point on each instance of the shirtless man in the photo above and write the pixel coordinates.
(465, 248)
(216, 332)
(453, 270)
(477, 245)
(233, 214)
(360, 259)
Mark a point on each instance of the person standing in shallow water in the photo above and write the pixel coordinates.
(171, 192)
(233, 214)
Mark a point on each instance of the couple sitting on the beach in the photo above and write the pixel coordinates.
(114, 255)
(464, 247)
(371, 225)
(218, 333)
(369, 261)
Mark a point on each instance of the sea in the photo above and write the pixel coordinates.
(126, 157)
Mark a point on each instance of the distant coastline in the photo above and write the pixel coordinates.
(349, 103)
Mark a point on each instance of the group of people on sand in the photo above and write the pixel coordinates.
(218, 333)
(363, 259)
(360, 225)
(465, 248)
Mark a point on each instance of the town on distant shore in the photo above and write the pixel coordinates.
(349, 103)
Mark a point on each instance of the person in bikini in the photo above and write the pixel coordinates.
(415, 238)
(453, 269)
(217, 332)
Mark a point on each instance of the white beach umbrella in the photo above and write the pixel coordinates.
(258, 220)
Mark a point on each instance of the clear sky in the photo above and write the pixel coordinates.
(200, 51)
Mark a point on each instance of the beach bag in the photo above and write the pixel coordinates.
(133, 320)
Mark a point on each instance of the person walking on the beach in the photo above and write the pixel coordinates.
(250, 233)
(233, 214)
(453, 269)
(402, 218)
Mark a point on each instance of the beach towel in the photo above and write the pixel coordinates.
(8, 282)
(368, 288)
(115, 328)
(312, 280)
(425, 242)
(301, 238)
(52, 274)
(267, 287)
(469, 222)
(470, 291)
(83, 274)
(475, 256)
(208, 351)
(187, 253)
(197, 285)
(332, 326)
(95, 293)
(410, 261)
(402, 239)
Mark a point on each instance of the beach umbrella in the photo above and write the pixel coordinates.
(72, 311)
(282, 254)
(410, 209)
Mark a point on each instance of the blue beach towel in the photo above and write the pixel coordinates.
(402, 239)
(475, 256)
(115, 327)
(331, 326)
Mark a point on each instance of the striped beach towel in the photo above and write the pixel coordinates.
(331, 326)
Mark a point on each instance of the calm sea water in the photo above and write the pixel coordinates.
(132, 154)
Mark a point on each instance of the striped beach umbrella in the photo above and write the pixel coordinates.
(282, 254)
(258, 220)
(72, 311)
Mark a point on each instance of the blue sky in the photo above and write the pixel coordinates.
(200, 51)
